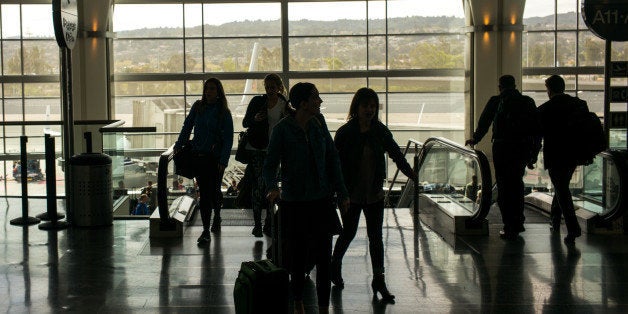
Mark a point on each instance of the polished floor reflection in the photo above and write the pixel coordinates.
(120, 269)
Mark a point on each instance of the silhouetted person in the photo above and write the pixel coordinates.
(362, 143)
(471, 190)
(559, 164)
(310, 175)
(232, 190)
(515, 127)
(213, 137)
(262, 114)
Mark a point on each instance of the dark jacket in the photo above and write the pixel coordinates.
(257, 131)
(294, 148)
(552, 115)
(350, 147)
(512, 103)
(211, 135)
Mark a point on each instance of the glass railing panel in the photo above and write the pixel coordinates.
(450, 175)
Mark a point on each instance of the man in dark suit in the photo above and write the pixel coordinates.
(515, 131)
(559, 164)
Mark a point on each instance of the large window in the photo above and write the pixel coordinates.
(29, 89)
(411, 54)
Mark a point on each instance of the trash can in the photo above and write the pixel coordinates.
(91, 200)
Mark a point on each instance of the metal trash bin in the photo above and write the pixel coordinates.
(91, 200)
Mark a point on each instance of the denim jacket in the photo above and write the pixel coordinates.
(294, 149)
(210, 135)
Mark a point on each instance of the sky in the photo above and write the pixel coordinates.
(128, 16)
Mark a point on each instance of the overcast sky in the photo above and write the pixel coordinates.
(129, 17)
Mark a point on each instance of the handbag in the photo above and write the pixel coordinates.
(242, 154)
(184, 161)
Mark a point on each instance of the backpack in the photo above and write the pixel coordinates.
(585, 134)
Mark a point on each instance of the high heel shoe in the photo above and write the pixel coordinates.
(336, 273)
(379, 285)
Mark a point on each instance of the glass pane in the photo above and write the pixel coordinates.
(426, 84)
(619, 51)
(43, 109)
(595, 101)
(13, 110)
(593, 82)
(193, 19)
(617, 139)
(193, 55)
(406, 17)
(234, 55)
(325, 18)
(426, 52)
(567, 14)
(149, 88)
(327, 54)
(12, 58)
(337, 85)
(147, 111)
(10, 21)
(591, 49)
(242, 19)
(377, 53)
(376, 17)
(12, 138)
(539, 15)
(13, 90)
(538, 49)
(443, 111)
(41, 57)
(566, 53)
(166, 20)
(39, 21)
(148, 56)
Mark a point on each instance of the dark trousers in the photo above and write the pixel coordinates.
(510, 161)
(374, 214)
(208, 188)
(562, 201)
(308, 238)
(258, 188)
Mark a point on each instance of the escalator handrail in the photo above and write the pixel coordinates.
(418, 145)
(485, 171)
(619, 159)
(162, 184)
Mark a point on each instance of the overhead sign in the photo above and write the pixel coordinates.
(608, 19)
(65, 21)
(619, 94)
(618, 120)
(619, 69)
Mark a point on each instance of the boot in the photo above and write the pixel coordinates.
(336, 273)
(379, 285)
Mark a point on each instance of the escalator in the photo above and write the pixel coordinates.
(599, 192)
(454, 193)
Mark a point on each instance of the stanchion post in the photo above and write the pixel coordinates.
(416, 187)
(51, 188)
(25, 220)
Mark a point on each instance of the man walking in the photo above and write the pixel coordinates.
(515, 145)
(557, 160)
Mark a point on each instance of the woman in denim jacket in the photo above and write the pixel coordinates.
(310, 175)
(262, 114)
(213, 137)
(361, 144)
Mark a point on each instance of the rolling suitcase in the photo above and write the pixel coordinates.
(261, 287)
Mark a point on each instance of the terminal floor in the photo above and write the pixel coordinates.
(119, 269)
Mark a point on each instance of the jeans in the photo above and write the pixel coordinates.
(258, 188)
(208, 188)
(509, 159)
(562, 201)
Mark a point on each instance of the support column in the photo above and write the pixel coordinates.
(496, 42)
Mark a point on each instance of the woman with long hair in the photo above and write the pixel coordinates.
(213, 137)
(361, 144)
(262, 114)
(310, 176)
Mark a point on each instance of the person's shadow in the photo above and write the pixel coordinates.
(561, 298)
(513, 290)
